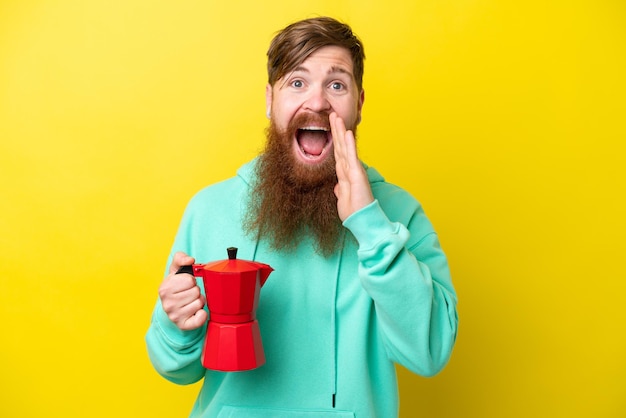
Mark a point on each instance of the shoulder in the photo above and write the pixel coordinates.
(398, 204)
(220, 190)
(390, 196)
(224, 191)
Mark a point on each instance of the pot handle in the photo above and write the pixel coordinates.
(185, 269)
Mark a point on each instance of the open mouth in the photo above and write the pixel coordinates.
(313, 142)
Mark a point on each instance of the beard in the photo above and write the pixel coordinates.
(291, 200)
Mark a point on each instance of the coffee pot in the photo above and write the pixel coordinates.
(232, 288)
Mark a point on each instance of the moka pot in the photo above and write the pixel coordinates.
(232, 288)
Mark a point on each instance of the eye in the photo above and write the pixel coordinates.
(337, 86)
(297, 84)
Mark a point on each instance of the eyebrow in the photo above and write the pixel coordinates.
(334, 69)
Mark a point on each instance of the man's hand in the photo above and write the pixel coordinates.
(181, 297)
(353, 189)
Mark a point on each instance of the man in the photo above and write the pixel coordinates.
(360, 281)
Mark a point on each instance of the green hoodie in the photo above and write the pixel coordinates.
(332, 328)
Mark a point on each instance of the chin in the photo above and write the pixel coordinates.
(307, 172)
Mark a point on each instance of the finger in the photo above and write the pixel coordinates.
(338, 131)
(190, 317)
(190, 301)
(177, 283)
(182, 303)
(337, 191)
(345, 146)
(350, 148)
(175, 287)
(193, 315)
(195, 321)
(180, 259)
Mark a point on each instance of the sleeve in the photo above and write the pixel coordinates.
(404, 270)
(174, 353)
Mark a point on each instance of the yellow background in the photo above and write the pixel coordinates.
(504, 118)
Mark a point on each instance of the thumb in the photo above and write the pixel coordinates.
(180, 259)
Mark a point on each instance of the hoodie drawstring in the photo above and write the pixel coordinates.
(333, 321)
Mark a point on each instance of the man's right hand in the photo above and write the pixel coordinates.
(180, 296)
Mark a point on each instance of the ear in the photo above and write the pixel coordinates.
(360, 106)
(268, 100)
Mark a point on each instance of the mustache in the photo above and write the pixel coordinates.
(321, 119)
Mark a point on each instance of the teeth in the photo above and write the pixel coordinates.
(314, 128)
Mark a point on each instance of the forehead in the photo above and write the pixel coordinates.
(328, 59)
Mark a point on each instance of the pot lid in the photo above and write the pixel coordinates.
(233, 264)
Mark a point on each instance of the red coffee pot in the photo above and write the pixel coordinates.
(232, 287)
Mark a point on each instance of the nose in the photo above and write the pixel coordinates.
(317, 101)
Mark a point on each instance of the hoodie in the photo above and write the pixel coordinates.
(332, 327)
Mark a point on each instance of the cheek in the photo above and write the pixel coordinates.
(349, 111)
(282, 113)
(349, 117)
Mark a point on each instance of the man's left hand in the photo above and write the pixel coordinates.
(353, 189)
